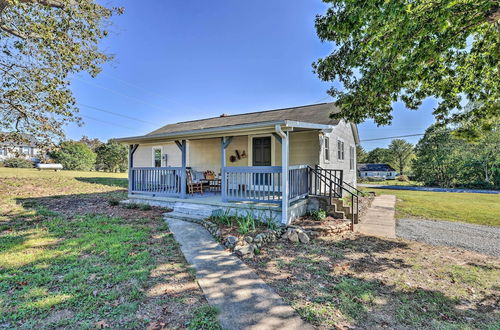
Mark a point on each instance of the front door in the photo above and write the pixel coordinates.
(261, 157)
(262, 151)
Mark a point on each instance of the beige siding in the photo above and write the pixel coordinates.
(143, 156)
(205, 154)
(304, 148)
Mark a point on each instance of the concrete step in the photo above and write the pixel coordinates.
(183, 216)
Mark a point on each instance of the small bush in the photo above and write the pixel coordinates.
(18, 163)
(113, 202)
(131, 206)
(318, 214)
(246, 223)
(145, 207)
(403, 178)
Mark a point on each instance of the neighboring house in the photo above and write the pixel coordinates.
(265, 161)
(376, 171)
(28, 150)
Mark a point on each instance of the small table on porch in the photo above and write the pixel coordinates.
(212, 184)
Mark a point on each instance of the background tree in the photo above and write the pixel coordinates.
(112, 157)
(446, 161)
(42, 43)
(411, 50)
(401, 154)
(361, 154)
(91, 143)
(378, 155)
(75, 156)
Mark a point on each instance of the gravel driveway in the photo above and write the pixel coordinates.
(482, 239)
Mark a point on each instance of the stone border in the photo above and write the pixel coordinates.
(249, 245)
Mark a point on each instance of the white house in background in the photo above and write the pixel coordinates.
(268, 161)
(376, 171)
(27, 150)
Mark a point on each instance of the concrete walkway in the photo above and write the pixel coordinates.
(379, 218)
(244, 300)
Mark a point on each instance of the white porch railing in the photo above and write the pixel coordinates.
(252, 183)
(261, 184)
(158, 181)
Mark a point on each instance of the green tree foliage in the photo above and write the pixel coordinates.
(446, 161)
(42, 43)
(400, 154)
(361, 154)
(378, 155)
(91, 143)
(388, 51)
(75, 156)
(112, 157)
(18, 162)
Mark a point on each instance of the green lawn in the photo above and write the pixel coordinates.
(482, 209)
(70, 259)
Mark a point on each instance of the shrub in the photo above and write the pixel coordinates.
(131, 206)
(113, 202)
(145, 207)
(18, 163)
(75, 156)
(402, 178)
(318, 214)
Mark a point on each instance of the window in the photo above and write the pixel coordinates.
(3, 151)
(327, 148)
(340, 150)
(25, 150)
(351, 157)
(157, 157)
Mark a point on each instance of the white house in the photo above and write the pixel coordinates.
(376, 171)
(270, 160)
(27, 150)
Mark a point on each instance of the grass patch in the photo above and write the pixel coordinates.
(481, 209)
(90, 264)
(205, 317)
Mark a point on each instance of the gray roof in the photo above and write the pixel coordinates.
(315, 113)
(375, 167)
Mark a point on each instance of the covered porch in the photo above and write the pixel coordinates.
(270, 180)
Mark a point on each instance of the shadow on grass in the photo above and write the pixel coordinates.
(113, 182)
(90, 265)
(345, 283)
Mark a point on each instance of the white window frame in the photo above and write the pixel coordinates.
(326, 149)
(351, 157)
(340, 149)
(153, 155)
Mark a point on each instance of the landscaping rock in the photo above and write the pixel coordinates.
(293, 237)
(303, 237)
(248, 239)
(244, 250)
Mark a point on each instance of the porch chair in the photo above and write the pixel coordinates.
(192, 185)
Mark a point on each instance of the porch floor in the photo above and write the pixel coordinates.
(209, 198)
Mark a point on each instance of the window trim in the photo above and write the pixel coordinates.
(153, 155)
(340, 149)
(352, 157)
(326, 149)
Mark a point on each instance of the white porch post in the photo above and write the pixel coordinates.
(131, 150)
(284, 178)
(183, 169)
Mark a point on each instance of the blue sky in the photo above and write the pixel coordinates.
(183, 60)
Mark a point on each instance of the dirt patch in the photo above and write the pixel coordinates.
(365, 282)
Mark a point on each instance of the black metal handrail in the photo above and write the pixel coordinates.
(327, 180)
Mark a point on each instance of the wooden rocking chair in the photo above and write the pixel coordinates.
(193, 187)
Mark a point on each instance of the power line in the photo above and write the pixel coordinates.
(121, 94)
(391, 137)
(115, 113)
(107, 122)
